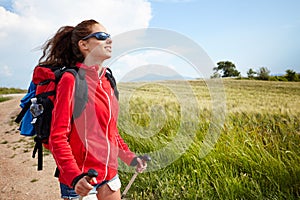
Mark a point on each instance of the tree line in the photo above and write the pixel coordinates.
(228, 69)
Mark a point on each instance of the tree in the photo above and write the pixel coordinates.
(227, 69)
(263, 73)
(251, 73)
(291, 75)
(216, 75)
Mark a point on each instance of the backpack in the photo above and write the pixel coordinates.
(40, 100)
(38, 103)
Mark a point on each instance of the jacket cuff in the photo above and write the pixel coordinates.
(76, 179)
(134, 162)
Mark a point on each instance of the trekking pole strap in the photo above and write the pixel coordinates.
(40, 157)
(38, 147)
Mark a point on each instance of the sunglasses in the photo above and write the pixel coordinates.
(98, 36)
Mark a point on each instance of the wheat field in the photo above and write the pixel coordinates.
(256, 136)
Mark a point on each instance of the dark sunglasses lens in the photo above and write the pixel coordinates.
(102, 36)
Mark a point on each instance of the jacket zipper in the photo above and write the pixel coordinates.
(86, 143)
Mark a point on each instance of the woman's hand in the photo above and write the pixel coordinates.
(83, 186)
(141, 165)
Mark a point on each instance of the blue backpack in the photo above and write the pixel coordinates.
(26, 128)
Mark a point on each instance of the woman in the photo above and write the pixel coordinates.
(91, 140)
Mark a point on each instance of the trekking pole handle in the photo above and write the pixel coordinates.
(92, 173)
(145, 158)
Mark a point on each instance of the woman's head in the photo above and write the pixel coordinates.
(68, 45)
(95, 46)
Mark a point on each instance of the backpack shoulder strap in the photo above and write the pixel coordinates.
(112, 81)
(81, 89)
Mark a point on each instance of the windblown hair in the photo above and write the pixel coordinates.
(62, 49)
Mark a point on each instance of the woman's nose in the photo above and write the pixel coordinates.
(109, 40)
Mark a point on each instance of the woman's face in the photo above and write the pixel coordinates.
(94, 50)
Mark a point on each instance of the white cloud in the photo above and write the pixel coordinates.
(5, 71)
(116, 14)
(29, 23)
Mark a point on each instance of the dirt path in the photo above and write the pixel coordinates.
(19, 178)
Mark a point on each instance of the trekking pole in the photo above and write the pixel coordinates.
(145, 158)
(91, 173)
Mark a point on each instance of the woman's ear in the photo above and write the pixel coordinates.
(82, 45)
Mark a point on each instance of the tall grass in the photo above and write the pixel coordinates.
(257, 155)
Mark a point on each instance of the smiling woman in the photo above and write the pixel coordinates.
(75, 141)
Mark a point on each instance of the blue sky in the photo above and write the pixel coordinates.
(251, 34)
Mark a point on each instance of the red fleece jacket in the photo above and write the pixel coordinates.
(92, 140)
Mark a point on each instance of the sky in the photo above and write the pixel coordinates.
(251, 34)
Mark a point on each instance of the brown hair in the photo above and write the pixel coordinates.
(62, 49)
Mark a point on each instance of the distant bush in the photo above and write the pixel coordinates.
(273, 78)
(5, 90)
(278, 78)
(281, 78)
(263, 73)
(291, 75)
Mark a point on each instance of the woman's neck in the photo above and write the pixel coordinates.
(89, 61)
(100, 70)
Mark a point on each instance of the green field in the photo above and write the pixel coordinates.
(256, 156)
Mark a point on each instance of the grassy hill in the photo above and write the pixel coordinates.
(257, 154)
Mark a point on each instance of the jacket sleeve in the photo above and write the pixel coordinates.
(61, 128)
(124, 152)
